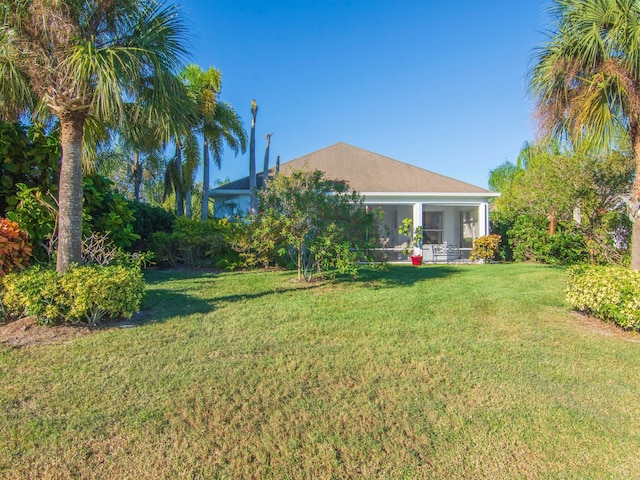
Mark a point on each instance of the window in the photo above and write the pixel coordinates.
(432, 230)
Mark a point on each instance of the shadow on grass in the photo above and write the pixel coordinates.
(155, 276)
(161, 304)
(278, 291)
(403, 275)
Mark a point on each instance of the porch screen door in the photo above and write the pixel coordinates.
(432, 228)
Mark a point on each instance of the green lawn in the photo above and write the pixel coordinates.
(429, 372)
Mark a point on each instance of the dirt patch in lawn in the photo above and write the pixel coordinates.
(25, 332)
(599, 327)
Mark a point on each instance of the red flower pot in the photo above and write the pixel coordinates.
(416, 259)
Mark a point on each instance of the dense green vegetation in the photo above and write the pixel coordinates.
(432, 372)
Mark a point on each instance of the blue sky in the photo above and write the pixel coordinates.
(441, 85)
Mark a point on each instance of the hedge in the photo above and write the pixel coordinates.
(611, 294)
(82, 294)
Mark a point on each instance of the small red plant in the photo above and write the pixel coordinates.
(15, 247)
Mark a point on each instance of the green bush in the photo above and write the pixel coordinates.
(611, 294)
(193, 243)
(530, 241)
(81, 294)
(148, 220)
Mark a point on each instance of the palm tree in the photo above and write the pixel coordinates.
(181, 168)
(586, 82)
(252, 159)
(265, 168)
(82, 60)
(217, 122)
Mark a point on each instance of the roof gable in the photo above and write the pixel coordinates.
(368, 172)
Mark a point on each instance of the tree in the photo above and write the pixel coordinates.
(216, 121)
(265, 169)
(252, 159)
(575, 191)
(586, 82)
(322, 223)
(82, 60)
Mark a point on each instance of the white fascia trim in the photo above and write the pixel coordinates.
(430, 194)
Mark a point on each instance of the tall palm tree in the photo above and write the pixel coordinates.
(252, 160)
(81, 60)
(217, 122)
(586, 82)
(265, 168)
(181, 168)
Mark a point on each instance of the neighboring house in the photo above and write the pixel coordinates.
(448, 210)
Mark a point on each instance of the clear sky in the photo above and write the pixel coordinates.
(438, 84)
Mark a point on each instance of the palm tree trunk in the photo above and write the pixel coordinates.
(188, 212)
(178, 186)
(635, 204)
(553, 222)
(70, 191)
(265, 169)
(204, 211)
(252, 160)
(137, 176)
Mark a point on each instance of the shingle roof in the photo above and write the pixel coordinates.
(368, 172)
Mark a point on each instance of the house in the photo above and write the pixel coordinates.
(449, 211)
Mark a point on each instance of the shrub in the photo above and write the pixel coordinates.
(148, 220)
(485, 248)
(193, 242)
(15, 248)
(93, 292)
(531, 241)
(82, 293)
(321, 224)
(611, 294)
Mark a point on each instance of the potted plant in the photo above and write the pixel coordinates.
(414, 246)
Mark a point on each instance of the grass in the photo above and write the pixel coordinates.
(430, 372)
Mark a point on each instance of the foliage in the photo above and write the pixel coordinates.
(192, 243)
(149, 219)
(217, 121)
(98, 58)
(485, 248)
(257, 243)
(82, 294)
(414, 234)
(319, 223)
(108, 211)
(104, 211)
(530, 240)
(584, 80)
(611, 294)
(30, 157)
(15, 247)
(137, 167)
(575, 191)
(37, 213)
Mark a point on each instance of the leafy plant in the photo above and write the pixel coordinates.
(321, 224)
(15, 247)
(610, 293)
(81, 294)
(149, 219)
(193, 243)
(414, 234)
(485, 248)
(30, 157)
(107, 211)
